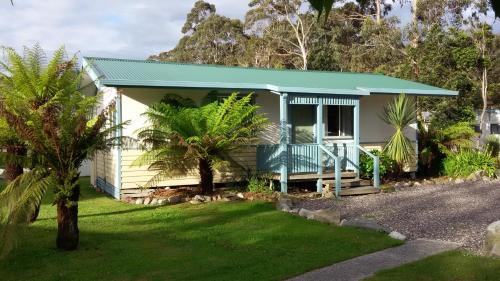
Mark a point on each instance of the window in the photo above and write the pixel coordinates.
(495, 129)
(340, 121)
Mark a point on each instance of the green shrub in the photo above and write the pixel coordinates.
(258, 185)
(466, 162)
(386, 164)
(492, 146)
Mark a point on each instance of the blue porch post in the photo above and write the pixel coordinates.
(319, 141)
(284, 142)
(356, 136)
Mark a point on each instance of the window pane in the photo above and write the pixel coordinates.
(494, 129)
(333, 120)
(346, 121)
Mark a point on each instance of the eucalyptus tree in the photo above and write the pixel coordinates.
(44, 106)
(292, 29)
(208, 38)
(183, 136)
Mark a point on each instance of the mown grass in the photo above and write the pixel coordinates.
(449, 266)
(216, 241)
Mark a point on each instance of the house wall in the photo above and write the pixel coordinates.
(373, 131)
(135, 101)
(103, 165)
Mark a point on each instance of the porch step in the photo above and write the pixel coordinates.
(363, 190)
(348, 183)
(314, 176)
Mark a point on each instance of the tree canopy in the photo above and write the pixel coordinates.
(447, 43)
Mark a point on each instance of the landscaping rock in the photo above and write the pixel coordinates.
(459, 181)
(476, 176)
(306, 213)
(315, 195)
(240, 195)
(167, 188)
(363, 223)
(174, 199)
(147, 201)
(493, 239)
(328, 194)
(139, 201)
(327, 215)
(417, 184)
(218, 197)
(154, 201)
(199, 198)
(162, 202)
(284, 204)
(195, 202)
(294, 211)
(207, 198)
(397, 235)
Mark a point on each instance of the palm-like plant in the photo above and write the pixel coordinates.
(399, 113)
(183, 136)
(42, 104)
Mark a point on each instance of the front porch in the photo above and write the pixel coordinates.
(314, 144)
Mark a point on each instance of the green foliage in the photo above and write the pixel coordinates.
(182, 138)
(258, 185)
(492, 146)
(456, 137)
(466, 162)
(436, 143)
(42, 103)
(386, 164)
(399, 114)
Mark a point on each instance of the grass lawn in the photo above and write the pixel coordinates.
(450, 266)
(216, 241)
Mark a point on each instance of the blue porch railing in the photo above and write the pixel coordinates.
(303, 158)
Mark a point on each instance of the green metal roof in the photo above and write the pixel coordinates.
(142, 73)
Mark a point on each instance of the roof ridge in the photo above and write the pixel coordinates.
(231, 66)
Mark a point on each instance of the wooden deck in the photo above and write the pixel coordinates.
(350, 184)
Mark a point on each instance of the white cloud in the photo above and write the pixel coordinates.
(116, 28)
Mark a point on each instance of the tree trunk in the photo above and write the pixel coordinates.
(35, 213)
(378, 11)
(12, 167)
(414, 23)
(484, 96)
(68, 235)
(206, 176)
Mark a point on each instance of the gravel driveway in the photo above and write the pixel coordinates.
(458, 213)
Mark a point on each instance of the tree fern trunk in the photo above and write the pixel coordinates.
(68, 235)
(12, 167)
(206, 176)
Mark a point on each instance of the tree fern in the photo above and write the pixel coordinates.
(182, 138)
(41, 101)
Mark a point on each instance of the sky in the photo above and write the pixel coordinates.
(110, 28)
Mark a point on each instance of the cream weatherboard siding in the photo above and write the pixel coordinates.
(135, 101)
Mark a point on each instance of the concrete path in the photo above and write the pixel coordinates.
(365, 266)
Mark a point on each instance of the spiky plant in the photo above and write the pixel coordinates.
(399, 113)
(43, 105)
(183, 136)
